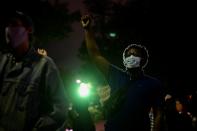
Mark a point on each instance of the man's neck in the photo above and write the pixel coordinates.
(135, 72)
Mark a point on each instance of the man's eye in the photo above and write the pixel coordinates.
(129, 54)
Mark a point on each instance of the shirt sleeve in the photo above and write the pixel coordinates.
(56, 99)
(57, 92)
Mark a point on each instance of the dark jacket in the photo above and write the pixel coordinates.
(32, 95)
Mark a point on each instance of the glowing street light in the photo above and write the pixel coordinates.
(112, 34)
(84, 88)
(78, 81)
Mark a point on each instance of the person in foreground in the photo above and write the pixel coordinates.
(32, 95)
(142, 92)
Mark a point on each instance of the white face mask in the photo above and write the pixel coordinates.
(132, 61)
(16, 36)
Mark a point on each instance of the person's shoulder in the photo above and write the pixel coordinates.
(49, 63)
(47, 60)
(114, 67)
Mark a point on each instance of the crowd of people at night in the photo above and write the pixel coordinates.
(33, 96)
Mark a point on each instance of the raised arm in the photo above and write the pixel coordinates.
(93, 50)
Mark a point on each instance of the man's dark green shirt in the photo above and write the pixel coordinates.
(32, 95)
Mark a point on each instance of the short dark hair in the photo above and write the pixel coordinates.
(25, 19)
(142, 50)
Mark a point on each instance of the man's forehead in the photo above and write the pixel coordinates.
(132, 51)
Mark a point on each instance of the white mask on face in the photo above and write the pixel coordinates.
(16, 36)
(132, 61)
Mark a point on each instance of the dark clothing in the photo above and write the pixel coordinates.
(177, 121)
(180, 122)
(31, 93)
(143, 93)
(83, 122)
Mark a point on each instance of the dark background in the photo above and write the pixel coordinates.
(166, 28)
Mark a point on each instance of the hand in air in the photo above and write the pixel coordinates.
(86, 21)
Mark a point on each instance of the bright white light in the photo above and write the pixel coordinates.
(69, 130)
(84, 89)
(112, 34)
(78, 81)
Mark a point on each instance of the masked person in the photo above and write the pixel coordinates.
(143, 92)
(32, 95)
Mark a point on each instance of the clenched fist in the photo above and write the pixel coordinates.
(86, 21)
